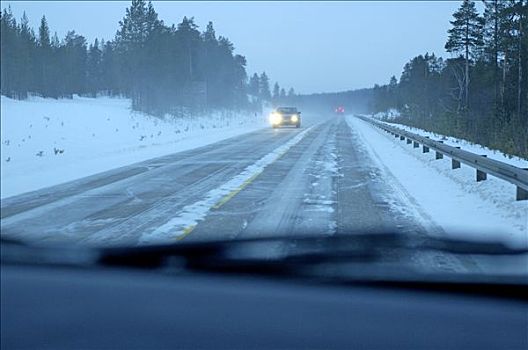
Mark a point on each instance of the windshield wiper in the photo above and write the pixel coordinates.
(357, 246)
(386, 258)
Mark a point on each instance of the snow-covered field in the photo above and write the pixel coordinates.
(451, 199)
(45, 142)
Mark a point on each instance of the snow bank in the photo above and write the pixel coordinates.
(451, 198)
(390, 114)
(45, 142)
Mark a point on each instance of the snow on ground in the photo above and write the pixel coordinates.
(451, 198)
(45, 142)
(390, 114)
(465, 145)
(320, 198)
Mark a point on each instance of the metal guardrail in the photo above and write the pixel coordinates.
(481, 163)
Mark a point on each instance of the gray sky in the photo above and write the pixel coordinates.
(312, 46)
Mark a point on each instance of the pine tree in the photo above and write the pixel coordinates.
(291, 93)
(254, 85)
(241, 99)
(110, 71)
(187, 30)
(94, 69)
(264, 87)
(392, 90)
(466, 37)
(134, 51)
(8, 52)
(26, 48)
(74, 68)
(44, 33)
(521, 9)
(495, 25)
(45, 64)
(210, 47)
(276, 91)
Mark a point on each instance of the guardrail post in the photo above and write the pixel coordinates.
(416, 144)
(455, 164)
(402, 138)
(439, 155)
(409, 141)
(396, 135)
(522, 194)
(481, 176)
(425, 149)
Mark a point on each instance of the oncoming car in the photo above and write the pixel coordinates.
(285, 116)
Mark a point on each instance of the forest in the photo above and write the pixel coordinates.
(481, 92)
(163, 69)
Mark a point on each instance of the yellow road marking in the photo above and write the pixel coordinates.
(230, 195)
(186, 232)
(233, 193)
(224, 200)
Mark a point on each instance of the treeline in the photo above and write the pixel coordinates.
(354, 101)
(259, 89)
(163, 69)
(481, 94)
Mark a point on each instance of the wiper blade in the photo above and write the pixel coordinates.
(320, 248)
(384, 258)
(353, 256)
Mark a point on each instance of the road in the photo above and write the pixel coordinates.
(313, 180)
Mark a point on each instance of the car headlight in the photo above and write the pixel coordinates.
(275, 118)
(295, 118)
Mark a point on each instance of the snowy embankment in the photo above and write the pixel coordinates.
(463, 144)
(45, 142)
(452, 199)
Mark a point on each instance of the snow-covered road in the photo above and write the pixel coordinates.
(265, 182)
(338, 176)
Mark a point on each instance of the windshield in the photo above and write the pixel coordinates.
(140, 123)
(287, 110)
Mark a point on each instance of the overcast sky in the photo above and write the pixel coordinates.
(312, 46)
